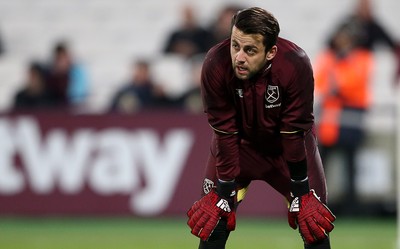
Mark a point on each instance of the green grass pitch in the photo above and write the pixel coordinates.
(168, 233)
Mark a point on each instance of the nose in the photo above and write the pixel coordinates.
(240, 56)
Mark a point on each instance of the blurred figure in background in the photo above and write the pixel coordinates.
(140, 92)
(1, 45)
(342, 77)
(190, 38)
(221, 27)
(191, 100)
(370, 32)
(67, 79)
(34, 94)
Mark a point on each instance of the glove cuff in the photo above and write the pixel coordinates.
(298, 176)
(227, 190)
(299, 187)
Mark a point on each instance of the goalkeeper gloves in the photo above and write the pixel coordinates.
(206, 213)
(313, 218)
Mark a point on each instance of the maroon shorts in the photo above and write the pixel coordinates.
(272, 169)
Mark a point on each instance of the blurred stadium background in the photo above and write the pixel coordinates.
(51, 207)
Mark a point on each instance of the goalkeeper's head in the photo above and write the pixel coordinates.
(256, 20)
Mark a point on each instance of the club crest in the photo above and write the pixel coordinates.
(272, 94)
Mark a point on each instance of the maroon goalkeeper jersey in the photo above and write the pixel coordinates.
(271, 111)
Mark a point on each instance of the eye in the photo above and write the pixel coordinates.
(251, 51)
(235, 46)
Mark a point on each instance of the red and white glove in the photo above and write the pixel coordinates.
(313, 218)
(206, 213)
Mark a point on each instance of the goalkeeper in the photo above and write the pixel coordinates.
(257, 90)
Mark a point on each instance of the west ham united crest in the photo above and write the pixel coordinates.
(272, 94)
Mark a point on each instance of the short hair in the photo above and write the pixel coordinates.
(61, 47)
(256, 20)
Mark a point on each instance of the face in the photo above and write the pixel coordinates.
(62, 62)
(248, 53)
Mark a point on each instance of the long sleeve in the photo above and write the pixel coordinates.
(221, 114)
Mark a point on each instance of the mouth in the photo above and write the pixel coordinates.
(241, 70)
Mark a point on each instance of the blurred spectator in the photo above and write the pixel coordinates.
(33, 95)
(140, 92)
(370, 31)
(342, 76)
(191, 100)
(221, 27)
(67, 79)
(1, 45)
(190, 38)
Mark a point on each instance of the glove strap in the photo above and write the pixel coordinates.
(298, 176)
(300, 187)
(227, 190)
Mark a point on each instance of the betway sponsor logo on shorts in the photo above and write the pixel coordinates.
(107, 161)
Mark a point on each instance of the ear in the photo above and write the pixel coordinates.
(271, 53)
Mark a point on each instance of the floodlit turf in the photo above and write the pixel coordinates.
(120, 233)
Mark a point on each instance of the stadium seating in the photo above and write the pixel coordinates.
(106, 35)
